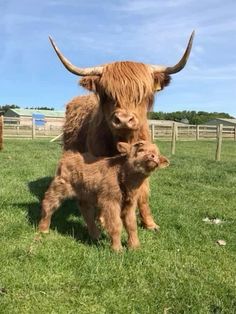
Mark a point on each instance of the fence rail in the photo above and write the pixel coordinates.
(52, 128)
(27, 128)
(191, 132)
(219, 132)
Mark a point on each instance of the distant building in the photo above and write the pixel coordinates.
(225, 122)
(52, 117)
(184, 120)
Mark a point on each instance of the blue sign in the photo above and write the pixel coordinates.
(39, 119)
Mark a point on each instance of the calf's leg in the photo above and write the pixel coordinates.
(112, 223)
(56, 193)
(129, 220)
(144, 209)
(88, 213)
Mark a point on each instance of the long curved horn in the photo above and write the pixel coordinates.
(180, 65)
(74, 69)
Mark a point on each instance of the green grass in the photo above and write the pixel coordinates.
(179, 270)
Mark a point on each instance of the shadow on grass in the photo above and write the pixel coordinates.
(66, 220)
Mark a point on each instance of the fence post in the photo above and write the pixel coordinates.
(173, 138)
(197, 132)
(1, 132)
(219, 142)
(153, 132)
(45, 130)
(235, 133)
(17, 127)
(33, 128)
(176, 132)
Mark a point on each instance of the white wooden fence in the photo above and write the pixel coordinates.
(27, 128)
(191, 132)
(15, 127)
(205, 132)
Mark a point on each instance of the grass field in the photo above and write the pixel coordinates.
(179, 270)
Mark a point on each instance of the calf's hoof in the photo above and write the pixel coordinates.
(42, 228)
(133, 245)
(46, 231)
(117, 248)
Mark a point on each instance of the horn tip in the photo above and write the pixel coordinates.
(52, 43)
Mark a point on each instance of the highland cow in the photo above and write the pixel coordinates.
(110, 185)
(116, 111)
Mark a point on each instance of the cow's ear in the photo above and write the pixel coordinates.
(123, 148)
(161, 80)
(90, 82)
(163, 162)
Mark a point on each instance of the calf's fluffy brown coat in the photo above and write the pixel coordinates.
(109, 184)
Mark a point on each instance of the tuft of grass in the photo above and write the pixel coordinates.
(179, 270)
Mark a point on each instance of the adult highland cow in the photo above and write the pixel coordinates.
(123, 92)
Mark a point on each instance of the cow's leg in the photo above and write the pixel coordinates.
(144, 209)
(57, 192)
(88, 213)
(110, 213)
(129, 220)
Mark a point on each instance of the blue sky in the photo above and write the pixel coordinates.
(97, 32)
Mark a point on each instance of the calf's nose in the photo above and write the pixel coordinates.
(154, 158)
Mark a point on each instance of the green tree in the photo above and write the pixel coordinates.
(194, 117)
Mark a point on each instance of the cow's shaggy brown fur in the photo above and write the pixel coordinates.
(128, 86)
(124, 87)
(109, 184)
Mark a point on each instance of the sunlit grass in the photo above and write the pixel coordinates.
(179, 270)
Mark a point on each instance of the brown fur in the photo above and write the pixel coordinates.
(127, 87)
(109, 184)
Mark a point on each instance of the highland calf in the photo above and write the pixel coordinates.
(110, 185)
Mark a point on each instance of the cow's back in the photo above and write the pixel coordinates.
(79, 112)
(85, 130)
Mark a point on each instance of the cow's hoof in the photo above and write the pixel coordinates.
(153, 227)
(156, 229)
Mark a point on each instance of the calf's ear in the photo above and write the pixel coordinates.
(90, 82)
(163, 162)
(123, 148)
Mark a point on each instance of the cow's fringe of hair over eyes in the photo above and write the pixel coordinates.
(127, 81)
